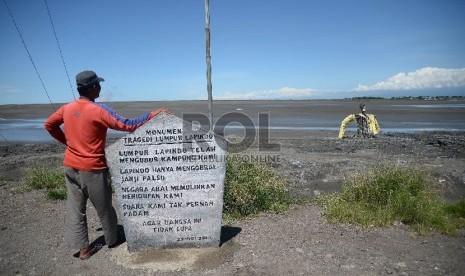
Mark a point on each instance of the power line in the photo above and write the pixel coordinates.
(28, 53)
(59, 48)
(3, 137)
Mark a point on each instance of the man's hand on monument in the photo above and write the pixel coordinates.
(160, 110)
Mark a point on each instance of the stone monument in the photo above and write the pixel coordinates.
(168, 178)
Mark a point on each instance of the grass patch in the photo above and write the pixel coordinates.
(385, 194)
(49, 179)
(250, 188)
(457, 212)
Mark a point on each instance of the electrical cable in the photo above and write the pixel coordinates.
(28, 53)
(6, 140)
(59, 48)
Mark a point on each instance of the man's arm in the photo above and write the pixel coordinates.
(115, 121)
(52, 125)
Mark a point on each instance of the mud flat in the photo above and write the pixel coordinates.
(298, 242)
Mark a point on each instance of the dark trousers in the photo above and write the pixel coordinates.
(96, 186)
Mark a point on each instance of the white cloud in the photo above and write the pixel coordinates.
(105, 96)
(425, 78)
(284, 93)
(9, 90)
(425, 81)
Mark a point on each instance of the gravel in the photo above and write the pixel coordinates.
(298, 242)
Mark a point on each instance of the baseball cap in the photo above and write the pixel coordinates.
(87, 78)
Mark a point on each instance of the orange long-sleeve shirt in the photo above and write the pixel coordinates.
(85, 130)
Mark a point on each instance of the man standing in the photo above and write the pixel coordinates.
(86, 172)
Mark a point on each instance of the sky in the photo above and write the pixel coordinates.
(148, 50)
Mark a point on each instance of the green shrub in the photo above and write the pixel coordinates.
(250, 188)
(57, 193)
(2, 180)
(457, 212)
(385, 194)
(456, 209)
(52, 180)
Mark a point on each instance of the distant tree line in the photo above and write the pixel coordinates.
(425, 98)
(368, 98)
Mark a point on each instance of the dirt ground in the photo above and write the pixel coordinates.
(298, 242)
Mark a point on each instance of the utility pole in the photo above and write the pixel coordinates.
(209, 68)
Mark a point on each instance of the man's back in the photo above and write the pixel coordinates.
(85, 130)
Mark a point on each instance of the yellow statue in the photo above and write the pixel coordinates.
(367, 125)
